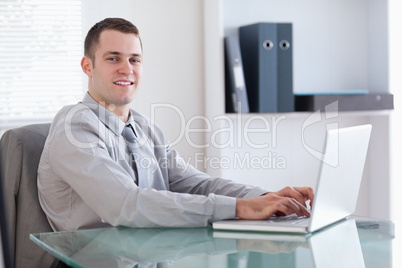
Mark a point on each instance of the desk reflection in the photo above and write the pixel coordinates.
(336, 246)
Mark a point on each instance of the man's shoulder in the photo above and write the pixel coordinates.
(75, 113)
(70, 121)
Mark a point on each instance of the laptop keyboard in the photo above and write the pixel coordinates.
(292, 219)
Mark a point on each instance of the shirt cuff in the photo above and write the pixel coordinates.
(225, 208)
(256, 192)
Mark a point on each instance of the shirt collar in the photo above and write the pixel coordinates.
(110, 120)
(131, 121)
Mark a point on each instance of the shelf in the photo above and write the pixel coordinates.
(361, 102)
(304, 114)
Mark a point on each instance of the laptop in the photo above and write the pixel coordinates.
(337, 188)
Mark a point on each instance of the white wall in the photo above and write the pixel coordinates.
(330, 40)
(95, 10)
(173, 79)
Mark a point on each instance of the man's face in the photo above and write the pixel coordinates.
(116, 74)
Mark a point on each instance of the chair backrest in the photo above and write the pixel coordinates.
(5, 258)
(20, 152)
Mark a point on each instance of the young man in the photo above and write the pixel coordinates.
(105, 164)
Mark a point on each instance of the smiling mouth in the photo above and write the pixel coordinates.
(123, 83)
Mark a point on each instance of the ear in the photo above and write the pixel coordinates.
(86, 65)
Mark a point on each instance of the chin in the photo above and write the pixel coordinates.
(125, 100)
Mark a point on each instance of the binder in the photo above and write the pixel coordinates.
(286, 99)
(235, 87)
(267, 51)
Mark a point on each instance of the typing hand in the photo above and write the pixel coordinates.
(284, 202)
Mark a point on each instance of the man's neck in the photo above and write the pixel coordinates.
(122, 112)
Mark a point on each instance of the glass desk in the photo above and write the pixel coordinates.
(356, 242)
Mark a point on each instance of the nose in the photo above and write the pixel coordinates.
(125, 68)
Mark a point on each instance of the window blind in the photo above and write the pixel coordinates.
(40, 52)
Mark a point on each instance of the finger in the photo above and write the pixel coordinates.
(305, 211)
(307, 192)
(296, 193)
(283, 210)
(297, 207)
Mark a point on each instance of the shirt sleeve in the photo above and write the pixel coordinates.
(78, 156)
(185, 178)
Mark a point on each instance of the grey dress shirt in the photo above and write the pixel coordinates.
(85, 179)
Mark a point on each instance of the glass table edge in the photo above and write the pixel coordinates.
(54, 252)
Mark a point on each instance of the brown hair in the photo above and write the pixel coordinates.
(118, 24)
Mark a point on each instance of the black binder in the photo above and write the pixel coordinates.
(236, 93)
(286, 100)
(268, 66)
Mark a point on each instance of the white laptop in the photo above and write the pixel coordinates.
(336, 191)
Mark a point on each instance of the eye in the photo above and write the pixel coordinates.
(135, 60)
(112, 59)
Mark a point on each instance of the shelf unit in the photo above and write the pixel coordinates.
(338, 45)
